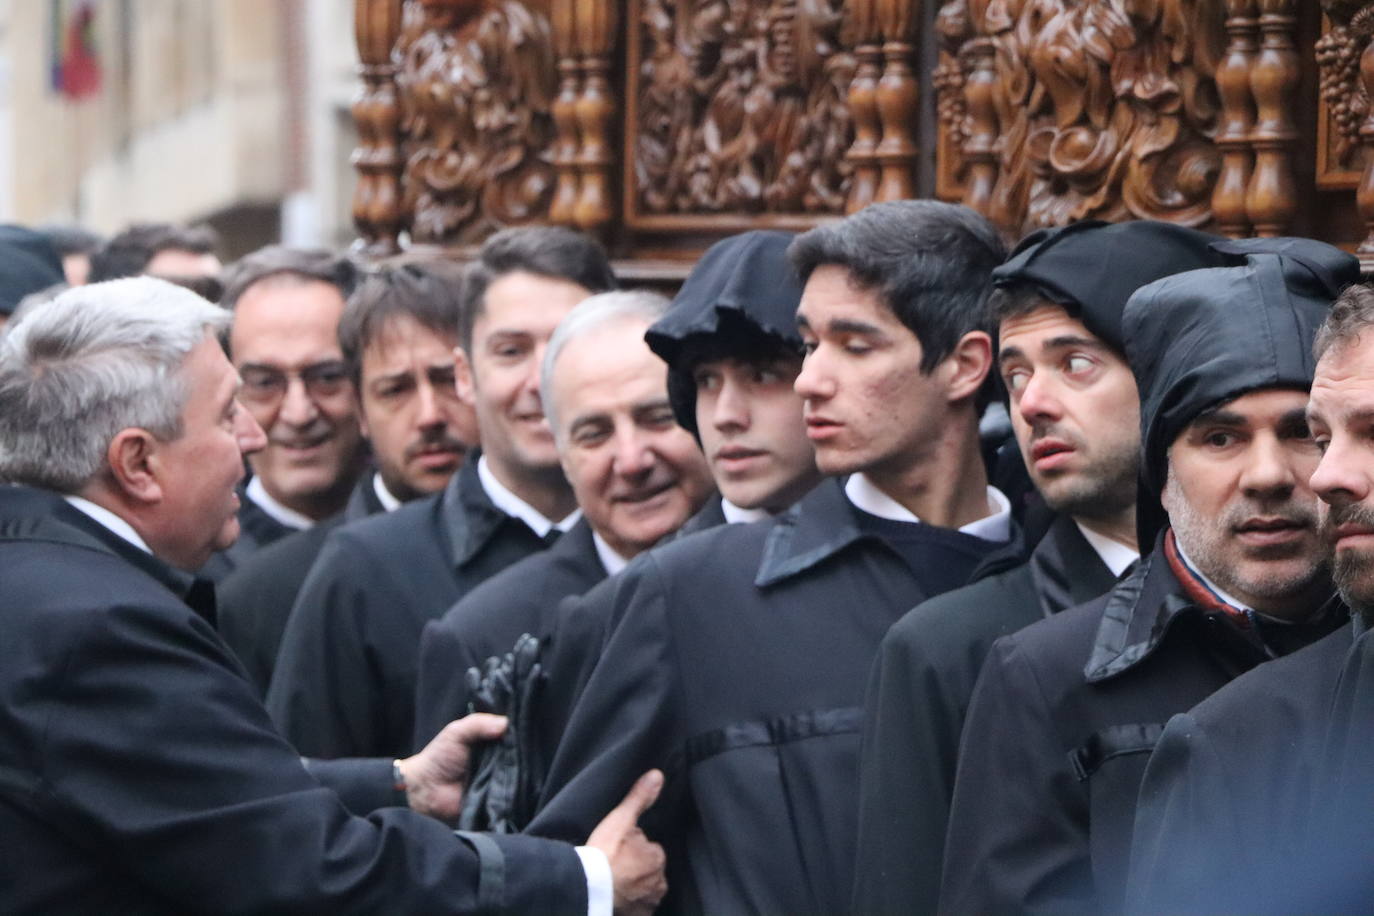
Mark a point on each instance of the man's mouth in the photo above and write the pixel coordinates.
(1349, 533)
(735, 456)
(643, 495)
(304, 443)
(1265, 530)
(821, 427)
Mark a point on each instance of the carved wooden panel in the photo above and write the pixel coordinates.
(1344, 102)
(476, 83)
(1068, 110)
(737, 110)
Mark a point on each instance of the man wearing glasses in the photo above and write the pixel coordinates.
(284, 343)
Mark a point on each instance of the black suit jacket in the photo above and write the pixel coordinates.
(140, 773)
(257, 530)
(256, 598)
(344, 685)
(488, 621)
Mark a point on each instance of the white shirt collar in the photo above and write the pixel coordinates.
(1115, 555)
(613, 561)
(996, 526)
(384, 496)
(1239, 605)
(738, 515)
(503, 499)
(109, 520)
(288, 517)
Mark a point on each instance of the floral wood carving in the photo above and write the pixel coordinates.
(741, 107)
(1069, 110)
(476, 82)
(1338, 55)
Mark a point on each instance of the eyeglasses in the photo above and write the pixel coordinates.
(264, 385)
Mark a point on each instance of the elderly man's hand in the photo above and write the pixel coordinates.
(636, 862)
(436, 777)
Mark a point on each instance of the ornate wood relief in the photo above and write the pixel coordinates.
(1086, 109)
(1345, 55)
(476, 83)
(737, 108)
(376, 199)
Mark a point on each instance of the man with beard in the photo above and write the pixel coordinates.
(344, 684)
(1066, 712)
(1258, 799)
(397, 337)
(738, 654)
(637, 476)
(1076, 416)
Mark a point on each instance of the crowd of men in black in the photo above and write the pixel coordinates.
(882, 570)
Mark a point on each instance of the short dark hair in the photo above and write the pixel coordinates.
(1016, 300)
(129, 253)
(72, 239)
(745, 342)
(1351, 314)
(305, 264)
(429, 293)
(930, 262)
(547, 251)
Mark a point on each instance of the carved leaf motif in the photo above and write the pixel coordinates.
(742, 106)
(476, 95)
(1105, 108)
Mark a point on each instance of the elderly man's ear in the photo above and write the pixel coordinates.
(135, 465)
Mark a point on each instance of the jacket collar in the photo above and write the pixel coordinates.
(1138, 613)
(818, 526)
(28, 513)
(469, 519)
(363, 501)
(1065, 568)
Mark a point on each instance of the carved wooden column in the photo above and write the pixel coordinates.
(863, 104)
(980, 148)
(563, 20)
(896, 99)
(1271, 199)
(1237, 119)
(596, 26)
(377, 198)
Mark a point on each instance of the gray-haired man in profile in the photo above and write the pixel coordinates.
(140, 770)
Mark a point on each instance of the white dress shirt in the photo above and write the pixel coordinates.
(995, 526)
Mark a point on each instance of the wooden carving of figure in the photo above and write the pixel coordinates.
(477, 81)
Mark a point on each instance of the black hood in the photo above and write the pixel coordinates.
(1091, 267)
(1199, 339)
(743, 288)
(28, 264)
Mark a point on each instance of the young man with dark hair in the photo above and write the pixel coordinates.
(396, 338)
(284, 342)
(1067, 711)
(739, 653)
(1075, 412)
(345, 679)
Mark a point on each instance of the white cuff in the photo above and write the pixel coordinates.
(600, 884)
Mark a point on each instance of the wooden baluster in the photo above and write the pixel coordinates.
(377, 198)
(1271, 199)
(863, 105)
(897, 97)
(980, 149)
(1364, 193)
(596, 25)
(563, 19)
(1237, 119)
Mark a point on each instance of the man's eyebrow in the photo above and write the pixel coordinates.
(1010, 353)
(1362, 415)
(1072, 340)
(850, 326)
(1219, 416)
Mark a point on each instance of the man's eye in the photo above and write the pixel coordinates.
(1219, 439)
(1078, 364)
(707, 381)
(767, 377)
(1016, 379)
(808, 347)
(856, 347)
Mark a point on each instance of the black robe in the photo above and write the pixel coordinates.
(345, 679)
(735, 659)
(1240, 809)
(918, 694)
(488, 621)
(1060, 727)
(140, 773)
(256, 598)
